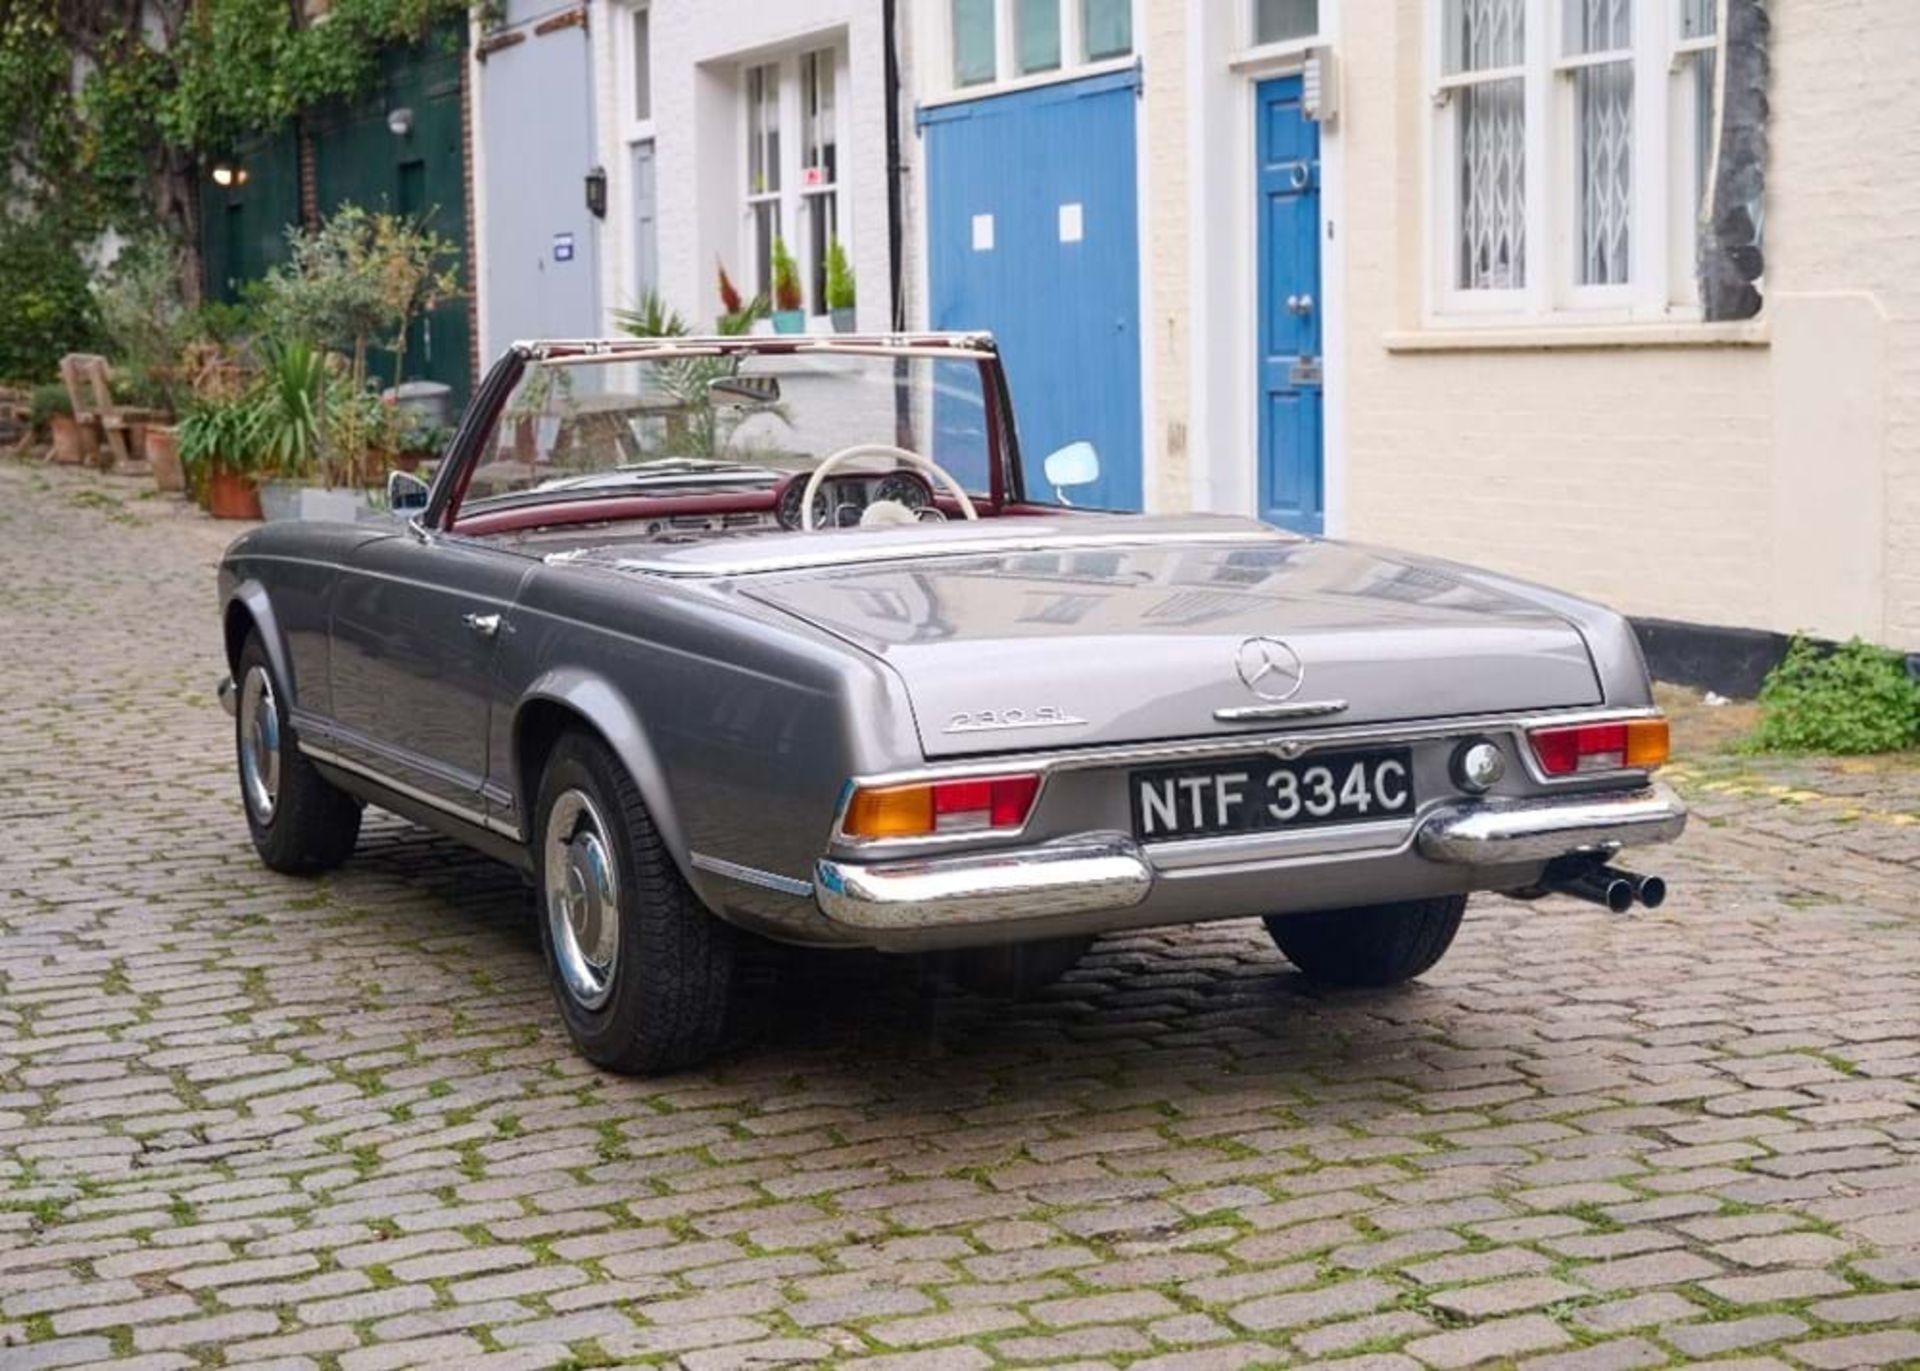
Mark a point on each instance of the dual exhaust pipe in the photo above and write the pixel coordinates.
(1618, 890)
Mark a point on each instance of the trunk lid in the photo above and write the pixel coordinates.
(1142, 642)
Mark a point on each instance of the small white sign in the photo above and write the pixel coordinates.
(1073, 225)
(983, 233)
(563, 247)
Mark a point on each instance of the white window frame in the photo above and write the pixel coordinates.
(1663, 231)
(935, 38)
(793, 194)
(634, 130)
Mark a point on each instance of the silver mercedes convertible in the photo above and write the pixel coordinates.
(782, 637)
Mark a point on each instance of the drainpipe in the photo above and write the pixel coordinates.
(896, 231)
(896, 168)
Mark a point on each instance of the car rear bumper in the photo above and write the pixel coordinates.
(1103, 882)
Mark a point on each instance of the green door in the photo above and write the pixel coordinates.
(243, 227)
(360, 159)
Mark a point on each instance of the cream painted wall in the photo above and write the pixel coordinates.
(1765, 477)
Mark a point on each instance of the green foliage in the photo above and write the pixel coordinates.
(46, 305)
(1853, 699)
(49, 398)
(144, 318)
(786, 278)
(221, 435)
(654, 318)
(359, 279)
(293, 407)
(840, 289)
(245, 66)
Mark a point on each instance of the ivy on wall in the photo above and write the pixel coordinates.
(108, 107)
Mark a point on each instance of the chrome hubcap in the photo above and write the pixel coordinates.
(259, 724)
(583, 899)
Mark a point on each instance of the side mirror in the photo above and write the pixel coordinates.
(406, 493)
(1076, 464)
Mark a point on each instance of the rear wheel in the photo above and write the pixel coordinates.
(1373, 945)
(1017, 970)
(301, 823)
(640, 969)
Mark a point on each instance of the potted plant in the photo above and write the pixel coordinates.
(220, 450)
(53, 415)
(840, 292)
(737, 316)
(789, 312)
(163, 455)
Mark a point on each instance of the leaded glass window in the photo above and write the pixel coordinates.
(1486, 42)
(1598, 40)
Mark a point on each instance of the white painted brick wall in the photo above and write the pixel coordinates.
(698, 48)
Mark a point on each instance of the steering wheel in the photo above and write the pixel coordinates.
(925, 466)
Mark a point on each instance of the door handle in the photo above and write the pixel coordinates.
(486, 625)
(1301, 305)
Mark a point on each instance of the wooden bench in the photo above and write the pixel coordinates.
(122, 428)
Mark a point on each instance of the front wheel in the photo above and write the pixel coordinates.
(1373, 945)
(640, 969)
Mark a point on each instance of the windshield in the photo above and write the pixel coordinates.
(710, 425)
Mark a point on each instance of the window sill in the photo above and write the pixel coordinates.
(1577, 337)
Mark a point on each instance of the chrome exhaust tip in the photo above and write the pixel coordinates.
(1650, 891)
(1597, 885)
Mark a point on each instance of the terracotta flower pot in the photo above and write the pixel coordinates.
(163, 453)
(66, 439)
(232, 495)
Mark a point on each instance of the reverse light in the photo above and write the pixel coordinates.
(1636, 744)
(974, 805)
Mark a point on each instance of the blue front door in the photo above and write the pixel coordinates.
(1292, 488)
(1034, 233)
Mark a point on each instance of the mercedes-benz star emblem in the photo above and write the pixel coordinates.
(1270, 669)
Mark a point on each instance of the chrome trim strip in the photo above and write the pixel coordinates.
(749, 875)
(1309, 709)
(838, 548)
(1501, 832)
(1139, 754)
(1034, 883)
(460, 812)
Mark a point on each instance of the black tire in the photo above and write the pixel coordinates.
(1374, 945)
(667, 987)
(1016, 970)
(311, 825)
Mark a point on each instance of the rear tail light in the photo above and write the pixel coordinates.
(974, 805)
(1636, 744)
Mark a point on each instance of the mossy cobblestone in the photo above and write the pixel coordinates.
(337, 1125)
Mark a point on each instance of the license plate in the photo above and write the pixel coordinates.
(1259, 794)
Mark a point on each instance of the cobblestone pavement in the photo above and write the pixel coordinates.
(250, 1120)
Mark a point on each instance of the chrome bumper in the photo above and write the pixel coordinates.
(1109, 873)
(1508, 832)
(990, 888)
(229, 695)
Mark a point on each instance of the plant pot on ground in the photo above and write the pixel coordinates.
(163, 455)
(68, 449)
(222, 452)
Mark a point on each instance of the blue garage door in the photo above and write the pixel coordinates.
(1034, 234)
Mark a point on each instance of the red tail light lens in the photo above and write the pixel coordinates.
(916, 811)
(1638, 743)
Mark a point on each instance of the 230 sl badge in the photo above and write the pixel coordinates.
(993, 720)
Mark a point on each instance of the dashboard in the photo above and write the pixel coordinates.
(841, 500)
